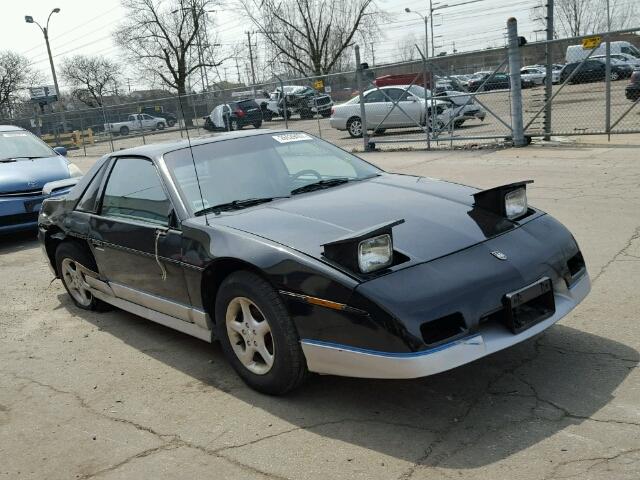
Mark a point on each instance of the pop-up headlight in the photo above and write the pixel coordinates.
(366, 251)
(509, 201)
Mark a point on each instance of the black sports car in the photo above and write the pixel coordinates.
(300, 257)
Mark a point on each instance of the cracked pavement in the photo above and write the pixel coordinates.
(112, 396)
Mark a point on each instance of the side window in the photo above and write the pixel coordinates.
(134, 192)
(89, 201)
(374, 97)
(394, 94)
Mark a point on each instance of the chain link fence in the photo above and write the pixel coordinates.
(454, 101)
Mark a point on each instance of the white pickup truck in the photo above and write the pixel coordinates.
(136, 121)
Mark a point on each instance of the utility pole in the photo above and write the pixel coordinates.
(128, 84)
(373, 56)
(433, 50)
(548, 81)
(238, 71)
(253, 71)
(45, 32)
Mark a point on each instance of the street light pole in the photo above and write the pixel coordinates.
(45, 32)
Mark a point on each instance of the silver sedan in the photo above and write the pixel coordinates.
(397, 106)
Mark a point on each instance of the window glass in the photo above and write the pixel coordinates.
(269, 165)
(89, 200)
(375, 97)
(20, 143)
(134, 191)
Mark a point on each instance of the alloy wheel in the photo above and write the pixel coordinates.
(250, 335)
(355, 128)
(76, 284)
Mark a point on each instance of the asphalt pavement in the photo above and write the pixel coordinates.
(113, 396)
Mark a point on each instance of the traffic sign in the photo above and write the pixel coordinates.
(318, 84)
(590, 43)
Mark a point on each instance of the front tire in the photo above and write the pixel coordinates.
(257, 335)
(69, 255)
(160, 126)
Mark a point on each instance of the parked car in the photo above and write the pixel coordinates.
(300, 257)
(30, 172)
(533, 75)
(619, 60)
(301, 100)
(593, 71)
(632, 92)
(463, 107)
(382, 114)
(136, 122)
(576, 53)
(234, 116)
(159, 112)
(497, 81)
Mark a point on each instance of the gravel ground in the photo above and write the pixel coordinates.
(112, 396)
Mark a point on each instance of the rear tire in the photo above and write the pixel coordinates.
(257, 124)
(160, 126)
(68, 256)
(354, 127)
(252, 318)
(124, 130)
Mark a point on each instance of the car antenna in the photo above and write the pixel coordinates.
(195, 168)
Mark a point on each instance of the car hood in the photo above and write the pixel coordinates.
(28, 175)
(439, 218)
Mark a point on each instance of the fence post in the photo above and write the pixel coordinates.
(363, 112)
(284, 104)
(516, 87)
(607, 70)
(548, 82)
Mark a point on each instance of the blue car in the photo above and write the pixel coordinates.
(30, 172)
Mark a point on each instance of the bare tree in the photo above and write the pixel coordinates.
(91, 78)
(168, 38)
(581, 17)
(16, 75)
(406, 48)
(311, 36)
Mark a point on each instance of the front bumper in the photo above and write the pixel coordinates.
(334, 359)
(19, 213)
(338, 123)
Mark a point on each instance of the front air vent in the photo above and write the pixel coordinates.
(576, 264)
(443, 329)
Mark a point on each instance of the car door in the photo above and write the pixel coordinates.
(376, 107)
(407, 112)
(136, 244)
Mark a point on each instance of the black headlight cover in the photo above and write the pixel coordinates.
(344, 250)
(493, 199)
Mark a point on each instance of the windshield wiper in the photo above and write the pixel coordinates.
(14, 159)
(235, 205)
(320, 184)
(329, 182)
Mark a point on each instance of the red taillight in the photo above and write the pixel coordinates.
(333, 111)
(239, 113)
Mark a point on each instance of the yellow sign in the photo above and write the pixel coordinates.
(590, 43)
(318, 84)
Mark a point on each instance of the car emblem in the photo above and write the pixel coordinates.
(32, 184)
(499, 255)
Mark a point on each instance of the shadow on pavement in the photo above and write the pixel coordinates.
(15, 242)
(471, 416)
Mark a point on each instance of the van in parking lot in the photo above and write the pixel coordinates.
(576, 53)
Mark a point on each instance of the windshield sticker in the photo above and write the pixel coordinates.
(291, 137)
(19, 134)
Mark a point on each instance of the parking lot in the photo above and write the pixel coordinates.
(577, 110)
(112, 396)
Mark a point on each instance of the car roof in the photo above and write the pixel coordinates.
(159, 149)
(9, 128)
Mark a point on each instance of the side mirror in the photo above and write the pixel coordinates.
(60, 151)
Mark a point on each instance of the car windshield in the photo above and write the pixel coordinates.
(20, 144)
(261, 167)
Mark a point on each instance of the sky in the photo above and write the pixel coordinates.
(85, 26)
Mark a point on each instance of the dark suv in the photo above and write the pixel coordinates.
(632, 91)
(594, 71)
